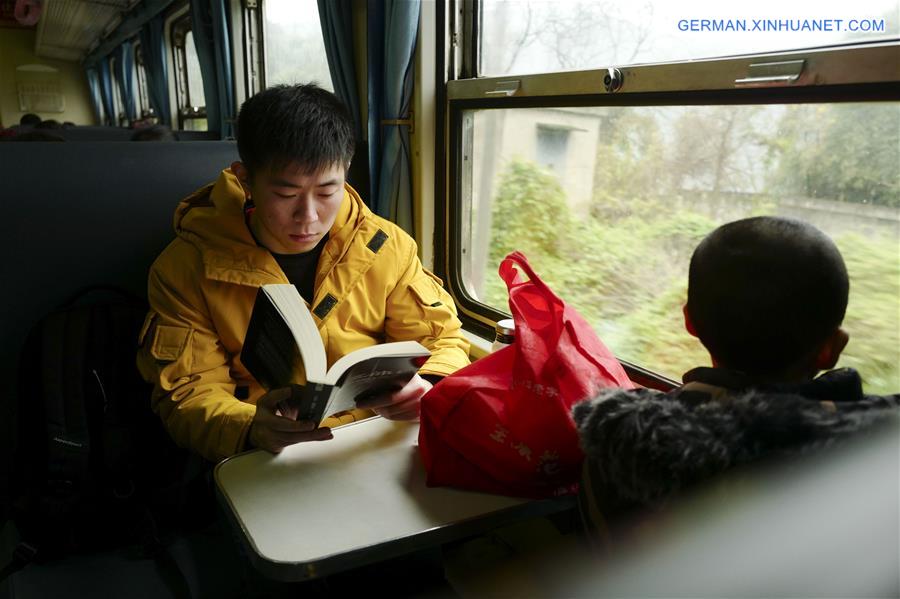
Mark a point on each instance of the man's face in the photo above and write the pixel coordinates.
(293, 210)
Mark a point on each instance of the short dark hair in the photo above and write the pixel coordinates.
(29, 118)
(38, 135)
(765, 292)
(49, 124)
(302, 124)
(154, 133)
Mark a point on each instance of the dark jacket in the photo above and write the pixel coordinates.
(644, 446)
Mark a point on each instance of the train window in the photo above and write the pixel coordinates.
(608, 192)
(253, 51)
(188, 78)
(135, 80)
(121, 119)
(96, 96)
(294, 48)
(535, 36)
(194, 78)
(139, 75)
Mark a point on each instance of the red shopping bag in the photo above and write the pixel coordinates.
(502, 424)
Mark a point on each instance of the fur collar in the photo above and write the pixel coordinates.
(648, 444)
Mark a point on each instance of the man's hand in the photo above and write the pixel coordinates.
(274, 428)
(399, 405)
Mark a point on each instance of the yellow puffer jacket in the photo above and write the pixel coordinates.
(203, 285)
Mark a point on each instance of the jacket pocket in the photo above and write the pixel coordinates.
(164, 353)
(170, 342)
(435, 311)
(145, 328)
(426, 290)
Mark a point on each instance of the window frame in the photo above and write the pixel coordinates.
(187, 111)
(142, 91)
(120, 115)
(253, 44)
(851, 72)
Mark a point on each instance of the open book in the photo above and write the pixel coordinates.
(283, 348)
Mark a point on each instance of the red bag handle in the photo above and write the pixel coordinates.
(511, 276)
(536, 310)
(539, 328)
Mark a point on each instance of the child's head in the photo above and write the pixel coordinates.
(766, 296)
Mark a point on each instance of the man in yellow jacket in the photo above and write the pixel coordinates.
(283, 214)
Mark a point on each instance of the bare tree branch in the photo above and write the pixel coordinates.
(526, 38)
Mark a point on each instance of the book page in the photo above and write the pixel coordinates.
(411, 349)
(293, 309)
(373, 376)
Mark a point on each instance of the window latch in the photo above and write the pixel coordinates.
(407, 122)
(505, 88)
(769, 74)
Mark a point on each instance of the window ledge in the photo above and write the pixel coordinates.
(480, 346)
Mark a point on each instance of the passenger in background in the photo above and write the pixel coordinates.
(283, 214)
(766, 298)
(38, 135)
(49, 124)
(27, 123)
(154, 133)
(144, 122)
(30, 119)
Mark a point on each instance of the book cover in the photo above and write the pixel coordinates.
(283, 348)
(270, 352)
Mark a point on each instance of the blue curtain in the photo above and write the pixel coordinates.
(209, 23)
(106, 93)
(94, 87)
(393, 26)
(154, 50)
(124, 70)
(335, 17)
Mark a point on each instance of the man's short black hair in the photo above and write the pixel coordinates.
(300, 124)
(30, 119)
(765, 292)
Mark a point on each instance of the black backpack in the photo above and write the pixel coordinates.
(92, 460)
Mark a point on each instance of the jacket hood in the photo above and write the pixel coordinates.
(648, 445)
(212, 219)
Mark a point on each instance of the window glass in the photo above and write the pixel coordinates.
(537, 36)
(608, 204)
(195, 124)
(194, 77)
(295, 50)
(100, 105)
(136, 83)
(143, 94)
(118, 105)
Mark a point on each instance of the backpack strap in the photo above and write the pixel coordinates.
(22, 555)
(68, 439)
(121, 406)
(109, 291)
